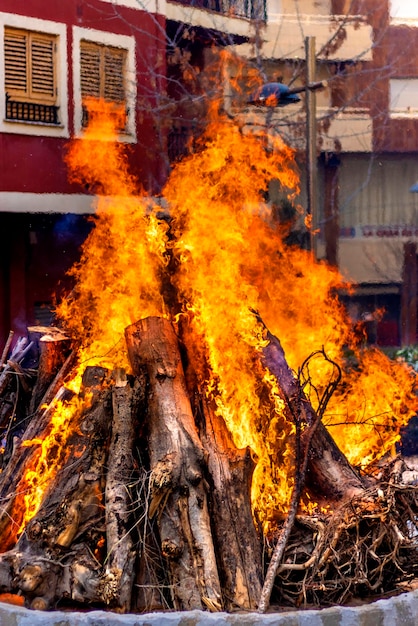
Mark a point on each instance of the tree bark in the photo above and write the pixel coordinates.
(178, 491)
(121, 551)
(237, 541)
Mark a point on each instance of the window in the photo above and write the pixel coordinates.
(102, 75)
(104, 68)
(403, 97)
(30, 76)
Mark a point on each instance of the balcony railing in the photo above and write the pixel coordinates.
(251, 9)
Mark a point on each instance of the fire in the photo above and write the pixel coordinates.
(228, 259)
(50, 455)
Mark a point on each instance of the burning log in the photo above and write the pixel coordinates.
(88, 541)
(12, 477)
(18, 456)
(237, 541)
(329, 474)
(121, 550)
(42, 567)
(54, 348)
(229, 474)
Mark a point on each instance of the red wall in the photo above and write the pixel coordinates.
(35, 164)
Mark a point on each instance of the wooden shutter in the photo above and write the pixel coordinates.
(90, 68)
(114, 74)
(29, 59)
(42, 67)
(102, 71)
(16, 62)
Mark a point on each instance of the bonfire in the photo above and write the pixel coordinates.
(204, 428)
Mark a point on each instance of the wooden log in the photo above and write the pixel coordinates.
(329, 474)
(178, 490)
(121, 556)
(54, 348)
(239, 546)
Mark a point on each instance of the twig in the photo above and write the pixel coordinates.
(6, 348)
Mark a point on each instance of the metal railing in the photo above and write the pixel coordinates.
(31, 112)
(251, 9)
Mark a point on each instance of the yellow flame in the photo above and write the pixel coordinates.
(50, 456)
(229, 259)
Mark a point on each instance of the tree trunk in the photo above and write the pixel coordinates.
(178, 491)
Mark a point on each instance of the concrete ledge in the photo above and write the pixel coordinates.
(397, 611)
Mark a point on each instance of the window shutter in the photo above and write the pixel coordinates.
(30, 76)
(16, 61)
(90, 70)
(42, 65)
(102, 76)
(114, 73)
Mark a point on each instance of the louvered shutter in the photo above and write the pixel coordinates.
(42, 68)
(16, 62)
(114, 75)
(90, 70)
(29, 60)
(102, 76)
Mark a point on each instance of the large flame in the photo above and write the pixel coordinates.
(229, 259)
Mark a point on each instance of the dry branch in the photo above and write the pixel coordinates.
(329, 474)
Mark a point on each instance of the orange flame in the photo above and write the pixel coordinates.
(230, 259)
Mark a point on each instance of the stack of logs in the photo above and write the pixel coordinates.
(150, 507)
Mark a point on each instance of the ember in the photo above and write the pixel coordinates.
(197, 408)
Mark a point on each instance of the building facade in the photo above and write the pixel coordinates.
(53, 57)
(154, 59)
(366, 147)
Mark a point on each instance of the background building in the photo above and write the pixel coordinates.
(160, 62)
(367, 122)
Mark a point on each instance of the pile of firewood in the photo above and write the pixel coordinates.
(150, 508)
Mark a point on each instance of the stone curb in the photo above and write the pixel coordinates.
(400, 610)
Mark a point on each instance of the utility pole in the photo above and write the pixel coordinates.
(311, 159)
